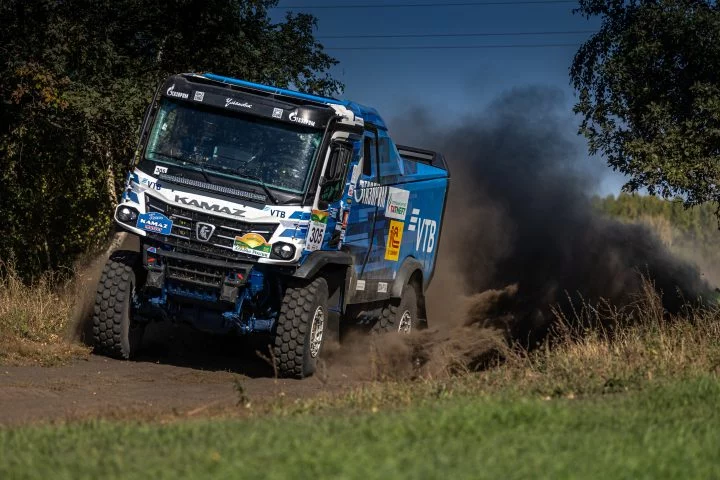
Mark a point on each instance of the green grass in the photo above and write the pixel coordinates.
(666, 430)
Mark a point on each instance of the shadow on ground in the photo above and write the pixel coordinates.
(183, 346)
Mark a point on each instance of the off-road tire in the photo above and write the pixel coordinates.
(393, 311)
(292, 343)
(113, 332)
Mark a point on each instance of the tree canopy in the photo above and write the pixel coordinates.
(649, 93)
(76, 78)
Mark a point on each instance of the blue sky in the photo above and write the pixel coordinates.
(453, 80)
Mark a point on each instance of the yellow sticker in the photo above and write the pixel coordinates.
(252, 244)
(392, 249)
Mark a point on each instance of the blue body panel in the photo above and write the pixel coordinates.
(393, 213)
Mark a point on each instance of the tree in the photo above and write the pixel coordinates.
(649, 93)
(76, 77)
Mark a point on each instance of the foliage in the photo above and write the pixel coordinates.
(698, 222)
(77, 76)
(649, 93)
(691, 233)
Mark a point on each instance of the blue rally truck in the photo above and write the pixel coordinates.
(265, 210)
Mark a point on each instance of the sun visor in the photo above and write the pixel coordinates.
(179, 88)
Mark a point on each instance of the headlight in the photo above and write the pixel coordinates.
(127, 214)
(284, 251)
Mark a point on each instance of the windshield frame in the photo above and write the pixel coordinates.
(206, 169)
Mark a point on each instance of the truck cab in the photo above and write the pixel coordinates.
(268, 211)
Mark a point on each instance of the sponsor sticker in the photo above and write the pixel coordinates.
(316, 231)
(154, 222)
(425, 229)
(353, 181)
(277, 112)
(382, 287)
(198, 97)
(319, 216)
(151, 183)
(370, 193)
(394, 240)
(293, 117)
(252, 244)
(360, 285)
(170, 92)
(159, 170)
(275, 212)
(397, 203)
(230, 101)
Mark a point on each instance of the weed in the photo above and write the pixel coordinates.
(35, 317)
(243, 399)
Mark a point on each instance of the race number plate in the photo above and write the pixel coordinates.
(316, 232)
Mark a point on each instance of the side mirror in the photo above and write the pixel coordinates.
(333, 180)
(340, 156)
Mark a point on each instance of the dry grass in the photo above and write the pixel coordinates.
(35, 319)
(596, 350)
(602, 348)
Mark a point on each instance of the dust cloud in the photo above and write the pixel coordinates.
(520, 233)
(87, 274)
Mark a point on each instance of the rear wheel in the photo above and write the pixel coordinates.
(114, 331)
(399, 315)
(301, 329)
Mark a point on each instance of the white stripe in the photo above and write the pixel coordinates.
(416, 211)
(411, 227)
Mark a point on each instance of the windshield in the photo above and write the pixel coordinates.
(237, 146)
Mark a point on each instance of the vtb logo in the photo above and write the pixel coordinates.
(203, 231)
(425, 228)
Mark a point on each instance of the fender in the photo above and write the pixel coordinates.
(410, 265)
(318, 259)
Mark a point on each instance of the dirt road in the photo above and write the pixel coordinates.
(180, 373)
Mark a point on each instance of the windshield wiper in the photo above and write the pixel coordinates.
(262, 184)
(200, 163)
(249, 176)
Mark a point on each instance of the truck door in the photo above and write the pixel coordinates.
(364, 206)
(382, 263)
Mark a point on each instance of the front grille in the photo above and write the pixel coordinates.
(220, 244)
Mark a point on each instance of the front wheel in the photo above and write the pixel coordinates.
(300, 329)
(115, 334)
(399, 316)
